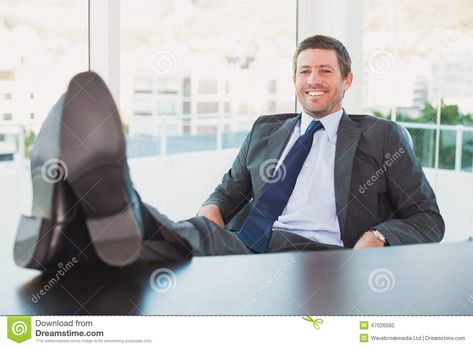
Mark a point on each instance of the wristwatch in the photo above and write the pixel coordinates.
(379, 235)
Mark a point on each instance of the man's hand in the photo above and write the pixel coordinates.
(212, 212)
(368, 240)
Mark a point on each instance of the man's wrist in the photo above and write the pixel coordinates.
(379, 236)
(208, 208)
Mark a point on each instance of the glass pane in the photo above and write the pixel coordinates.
(447, 149)
(195, 75)
(423, 140)
(467, 152)
(417, 64)
(413, 59)
(44, 43)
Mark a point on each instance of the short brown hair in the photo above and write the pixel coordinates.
(325, 42)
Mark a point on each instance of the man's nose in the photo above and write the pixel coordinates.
(313, 78)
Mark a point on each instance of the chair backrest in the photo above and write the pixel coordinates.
(408, 135)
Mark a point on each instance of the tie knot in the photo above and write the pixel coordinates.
(313, 126)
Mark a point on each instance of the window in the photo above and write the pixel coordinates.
(210, 62)
(186, 87)
(167, 108)
(417, 70)
(207, 107)
(143, 85)
(171, 54)
(168, 85)
(143, 106)
(44, 44)
(414, 70)
(186, 108)
(208, 87)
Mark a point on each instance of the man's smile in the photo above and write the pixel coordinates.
(315, 92)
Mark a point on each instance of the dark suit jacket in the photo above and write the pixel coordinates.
(379, 184)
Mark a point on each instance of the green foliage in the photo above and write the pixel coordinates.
(30, 138)
(449, 114)
(424, 139)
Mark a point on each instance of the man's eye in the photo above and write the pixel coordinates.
(303, 71)
(325, 71)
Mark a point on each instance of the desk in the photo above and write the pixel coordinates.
(430, 279)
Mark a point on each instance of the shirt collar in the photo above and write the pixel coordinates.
(330, 123)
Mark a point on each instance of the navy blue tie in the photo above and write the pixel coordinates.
(257, 229)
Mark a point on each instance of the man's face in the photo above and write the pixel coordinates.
(319, 82)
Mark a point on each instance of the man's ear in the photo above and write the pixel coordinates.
(348, 81)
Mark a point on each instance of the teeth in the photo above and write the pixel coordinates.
(315, 94)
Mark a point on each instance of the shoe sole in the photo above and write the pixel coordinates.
(32, 243)
(38, 235)
(93, 149)
(45, 243)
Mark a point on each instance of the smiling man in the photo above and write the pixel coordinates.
(320, 81)
(317, 180)
(325, 204)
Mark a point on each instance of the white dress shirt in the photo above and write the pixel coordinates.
(310, 210)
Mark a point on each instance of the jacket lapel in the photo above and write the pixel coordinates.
(274, 148)
(347, 143)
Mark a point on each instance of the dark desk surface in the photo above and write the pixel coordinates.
(410, 280)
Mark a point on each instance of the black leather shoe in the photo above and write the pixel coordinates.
(56, 231)
(93, 151)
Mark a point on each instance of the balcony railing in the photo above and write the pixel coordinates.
(455, 150)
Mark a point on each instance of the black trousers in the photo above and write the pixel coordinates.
(166, 239)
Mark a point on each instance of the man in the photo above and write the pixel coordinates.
(338, 206)
(312, 181)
